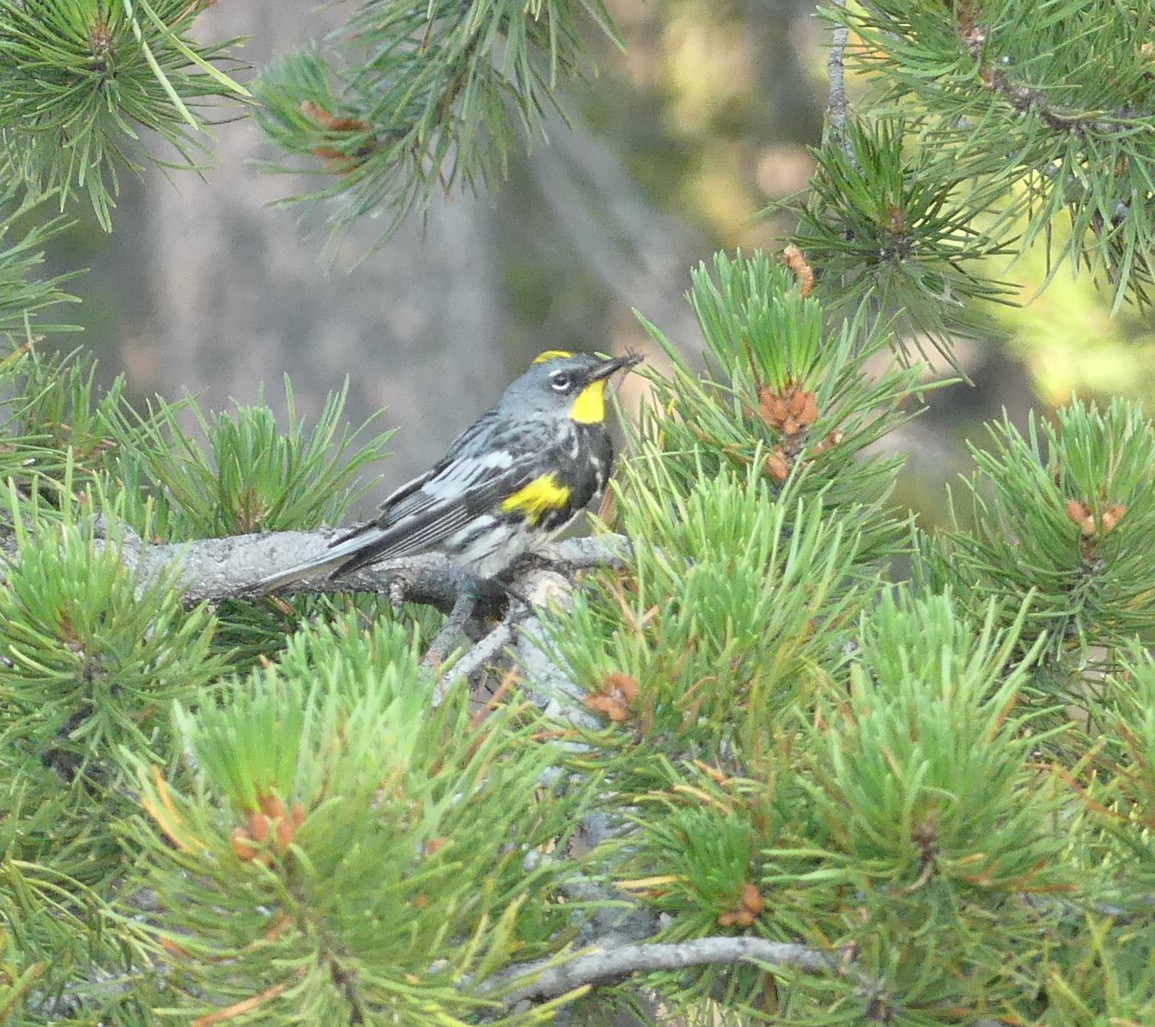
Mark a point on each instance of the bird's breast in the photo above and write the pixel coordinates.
(584, 463)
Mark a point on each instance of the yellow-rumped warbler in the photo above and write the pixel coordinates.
(519, 473)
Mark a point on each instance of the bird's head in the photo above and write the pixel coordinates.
(573, 384)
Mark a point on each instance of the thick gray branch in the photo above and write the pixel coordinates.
(231, 568)
(540, 982)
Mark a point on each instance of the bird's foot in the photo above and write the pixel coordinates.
(455, 624)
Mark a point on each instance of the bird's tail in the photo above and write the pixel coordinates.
(324, 563)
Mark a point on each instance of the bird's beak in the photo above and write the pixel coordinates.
(609, 367)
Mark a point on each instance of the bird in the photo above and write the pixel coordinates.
(515, 477)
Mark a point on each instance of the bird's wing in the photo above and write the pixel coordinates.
(431, 508)
(408, 498)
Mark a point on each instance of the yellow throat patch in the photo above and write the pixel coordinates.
(590, 405)
(538, 498)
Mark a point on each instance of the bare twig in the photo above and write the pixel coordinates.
(838, 104)
(546, 979)
(484, 651)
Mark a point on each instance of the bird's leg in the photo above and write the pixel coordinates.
(468, 594)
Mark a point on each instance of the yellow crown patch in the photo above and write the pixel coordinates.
(552, 354)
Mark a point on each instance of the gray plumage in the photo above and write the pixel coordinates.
(457, 505)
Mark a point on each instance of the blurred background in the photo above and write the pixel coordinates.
(678, 145)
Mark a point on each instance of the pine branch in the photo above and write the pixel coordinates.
(448, 96)
(609, 962)
(974, 34)
(229, 568)
(1012, 102)
(79, 80)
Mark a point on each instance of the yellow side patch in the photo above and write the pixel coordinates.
(537, 498)
(590, 406)
(551, 354)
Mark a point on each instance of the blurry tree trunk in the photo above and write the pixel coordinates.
(242, 292)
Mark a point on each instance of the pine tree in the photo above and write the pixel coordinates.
(733, 767)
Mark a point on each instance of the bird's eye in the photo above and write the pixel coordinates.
(560, 381)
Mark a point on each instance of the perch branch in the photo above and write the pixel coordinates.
(231, 568)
